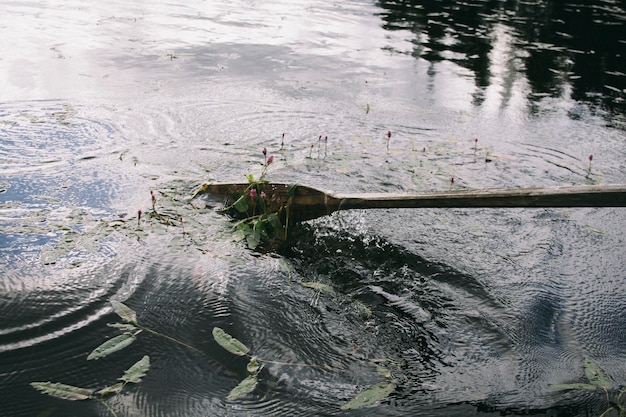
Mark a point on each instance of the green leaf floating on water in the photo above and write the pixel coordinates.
(111, 346)
(123, 327)
(125, 312)
(244, 388)
(134, 374)
(370, 396)
(598, 379)
(596, 375)
(254, 366)
(66, 392)
(229, 343)
(111, 389)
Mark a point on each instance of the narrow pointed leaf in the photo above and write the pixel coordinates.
(596, 375)
(370, 396)
(66, 392)
(125, 312)
(137, 371)
(229, 343)
(111, 389)
(111, 346)
(123, 326)
(244, 388)
(241, 205)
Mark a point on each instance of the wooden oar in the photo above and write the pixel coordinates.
(309, 203)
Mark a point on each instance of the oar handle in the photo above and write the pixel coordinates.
(574, 196)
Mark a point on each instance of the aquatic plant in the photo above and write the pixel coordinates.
(598, 380)
(259, 221)
(589, 168)
(131, 328)
(132, 375)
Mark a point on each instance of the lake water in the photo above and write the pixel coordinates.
(471, 311)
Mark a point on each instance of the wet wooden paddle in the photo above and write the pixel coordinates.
(309, 203)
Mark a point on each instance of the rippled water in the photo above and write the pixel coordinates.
(472, 311)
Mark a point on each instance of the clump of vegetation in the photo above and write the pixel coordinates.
(598, 380)
(259, 220)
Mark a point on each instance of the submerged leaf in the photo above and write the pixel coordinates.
(66, 392)
(384, 372)
(318, 286)
(245, 387)
(596, 375)
(125, 312)
(253, 238)
(134, 374)
(111, 346)
(229, 343)
(370, 396)
(587, 387)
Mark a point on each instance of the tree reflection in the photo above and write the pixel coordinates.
(562, 49)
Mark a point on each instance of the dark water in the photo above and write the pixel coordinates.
(474, 312)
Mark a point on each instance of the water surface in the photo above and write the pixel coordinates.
(472, 311)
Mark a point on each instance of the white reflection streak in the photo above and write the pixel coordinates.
(507, 83)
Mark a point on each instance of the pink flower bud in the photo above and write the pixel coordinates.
(263, 196)
(270, 159)
(389, 134)
(452, 180)
(590, 157)
(264, 151)
(253, 193)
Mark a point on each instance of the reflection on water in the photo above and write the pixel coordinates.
(471, 311)
(573, 50)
